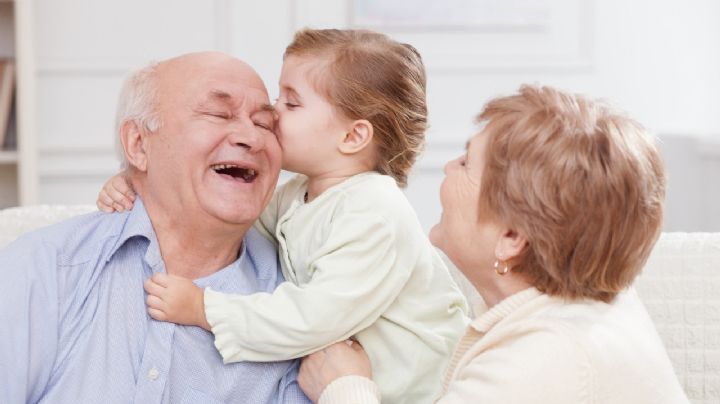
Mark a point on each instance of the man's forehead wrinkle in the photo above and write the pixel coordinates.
(227, 98)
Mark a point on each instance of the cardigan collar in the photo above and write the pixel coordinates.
(494, 315)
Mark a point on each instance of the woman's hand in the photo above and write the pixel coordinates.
(343, 358)
(116, 195)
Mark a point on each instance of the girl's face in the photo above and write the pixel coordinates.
(308, 125)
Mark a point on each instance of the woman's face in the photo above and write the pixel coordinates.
(460, 234)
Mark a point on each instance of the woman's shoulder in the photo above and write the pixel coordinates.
(612, 347)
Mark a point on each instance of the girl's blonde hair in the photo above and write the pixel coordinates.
(370, 76)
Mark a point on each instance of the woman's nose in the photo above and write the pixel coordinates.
(449, 165)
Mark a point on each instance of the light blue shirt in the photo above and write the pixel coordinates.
(74, 326)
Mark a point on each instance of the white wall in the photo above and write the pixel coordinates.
(659, 60)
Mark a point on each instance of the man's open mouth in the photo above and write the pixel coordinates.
(237, 172)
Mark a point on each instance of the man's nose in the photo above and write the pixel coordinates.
(246, 136)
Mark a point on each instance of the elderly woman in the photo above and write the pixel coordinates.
(551, 214)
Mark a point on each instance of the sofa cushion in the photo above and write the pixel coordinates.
(16, 221)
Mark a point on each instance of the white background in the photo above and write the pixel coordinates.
(658, 60)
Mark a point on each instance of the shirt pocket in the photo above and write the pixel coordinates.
(193, 396)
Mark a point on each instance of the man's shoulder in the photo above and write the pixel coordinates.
(78, 238)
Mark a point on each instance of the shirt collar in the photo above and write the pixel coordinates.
(138, 224)
(487, 320)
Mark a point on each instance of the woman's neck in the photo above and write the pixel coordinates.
(496, 288)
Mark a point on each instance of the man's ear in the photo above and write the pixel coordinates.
(357, 138)
(134, 143)
(510, 245)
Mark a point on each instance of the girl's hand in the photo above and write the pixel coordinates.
(176, 300)
(116, 195)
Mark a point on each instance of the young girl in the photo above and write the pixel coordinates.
(351, 121)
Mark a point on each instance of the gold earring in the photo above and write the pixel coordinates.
(504, 270)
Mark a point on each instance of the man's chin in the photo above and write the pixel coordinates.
(233, 212)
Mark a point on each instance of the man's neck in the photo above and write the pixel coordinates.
(192, 247)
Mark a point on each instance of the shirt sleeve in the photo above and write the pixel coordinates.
(351, 389)
(28, 319)
(535, 367)
(356, 276)
(268, 220)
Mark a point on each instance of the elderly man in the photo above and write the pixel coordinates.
(197, 133)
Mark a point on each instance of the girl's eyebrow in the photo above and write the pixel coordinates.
(291, 90)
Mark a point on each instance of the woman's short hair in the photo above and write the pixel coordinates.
(584, 183)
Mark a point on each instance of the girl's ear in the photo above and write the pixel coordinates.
(134, 143)
(357, 138)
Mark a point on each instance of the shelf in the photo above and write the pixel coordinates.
(8, 156)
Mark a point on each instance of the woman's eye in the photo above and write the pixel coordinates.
(290, 105)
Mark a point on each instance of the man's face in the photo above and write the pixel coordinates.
(216, 156)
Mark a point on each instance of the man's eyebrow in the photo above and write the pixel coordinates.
(220, 95)
(227, 98)
(267, 108)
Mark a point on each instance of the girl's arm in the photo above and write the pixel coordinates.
(356, 277)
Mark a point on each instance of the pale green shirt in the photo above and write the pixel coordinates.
(359, 264)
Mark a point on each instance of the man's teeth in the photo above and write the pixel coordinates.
(247, 173)
(250, 171)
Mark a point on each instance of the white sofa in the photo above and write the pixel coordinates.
(680, 286)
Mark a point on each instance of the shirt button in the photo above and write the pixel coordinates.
(153, 373)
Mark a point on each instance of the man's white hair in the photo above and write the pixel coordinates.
(138, 103)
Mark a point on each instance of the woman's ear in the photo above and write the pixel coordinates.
(134, 143)
(357, 138)
(510, 245)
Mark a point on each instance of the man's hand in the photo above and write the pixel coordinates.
(177, 300)
(343, 358)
